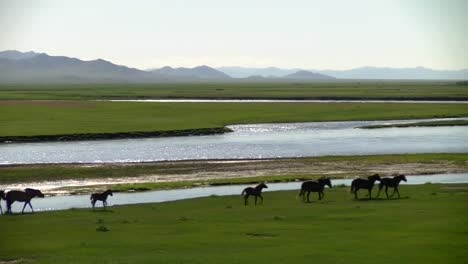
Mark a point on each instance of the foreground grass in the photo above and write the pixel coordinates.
(35, 118)
(423, 124)
(428, 225)
(419, 90)
(55, 172)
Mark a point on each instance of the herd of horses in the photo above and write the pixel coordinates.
(307, 187)
(318, 186)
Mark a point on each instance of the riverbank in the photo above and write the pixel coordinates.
(122, 135)
(422, 124)
(55, 120)
(86, 178)
(189, 231)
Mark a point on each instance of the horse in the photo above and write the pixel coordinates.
(368, 184)
(314, 186)
(22, 196)
(100, 197)
(2, 197)
(257, 192)
(391, 182)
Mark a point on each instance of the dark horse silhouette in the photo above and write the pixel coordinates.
(314, 186)
(368, 184)
(391, 182)
(257, 192)
(100, 197)
(22, 196)
(2, 197)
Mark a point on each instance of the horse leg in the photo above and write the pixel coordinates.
(31, 206)
(370, 194)
(92, 203)
(9, 207)
(246, 197)
(386, 191)
(355, 194)
(319, 196)
(398, 192)
(25, 203)
(256, 199)
(308, 195)
(261, 197)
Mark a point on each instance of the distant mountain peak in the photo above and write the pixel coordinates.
(303, 74)
(18, 55)
(200, 72)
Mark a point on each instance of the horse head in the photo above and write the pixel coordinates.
(325, 181)
(402, 177)
(262, 185)
(375, 177)
(109, 192)
(34, 192)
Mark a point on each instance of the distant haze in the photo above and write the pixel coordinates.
(293, 34)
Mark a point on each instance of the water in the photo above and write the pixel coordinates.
(82, 201)
(286, 101)
(250, 142)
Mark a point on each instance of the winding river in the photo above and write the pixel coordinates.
(250, 142)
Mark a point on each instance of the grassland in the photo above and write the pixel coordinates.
(416, 90)
(423, 124)
(428, 225)
(40, 118)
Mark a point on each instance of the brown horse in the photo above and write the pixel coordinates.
(2, 197)
(22, 196)
(257, 192)
(368, 184)
(391, 182)
(100, 197)
(314, 186)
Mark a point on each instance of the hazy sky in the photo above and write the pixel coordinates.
(337, 34)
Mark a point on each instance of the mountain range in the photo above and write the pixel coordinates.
(30, 67)
(382, 73)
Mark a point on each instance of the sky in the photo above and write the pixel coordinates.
(309, 34)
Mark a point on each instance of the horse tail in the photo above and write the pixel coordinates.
(301, 193)
(243, 192)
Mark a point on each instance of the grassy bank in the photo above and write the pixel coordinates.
(423, 124)
(428, 225)
(415, 90)
(284, 169)
(45, 118)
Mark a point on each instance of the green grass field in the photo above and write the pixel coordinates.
(428, 225)
(32, 118)
(419, 90)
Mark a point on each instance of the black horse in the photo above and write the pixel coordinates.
(368, 184)
(314, 186)
(391, 182)
(2, 197)
(257, 192)
(22, 196)
(100, 197)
